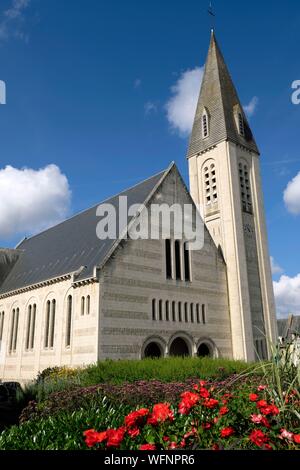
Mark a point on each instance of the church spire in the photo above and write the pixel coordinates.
(219, 115)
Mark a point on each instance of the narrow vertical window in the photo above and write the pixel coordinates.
(205, 124)
(52, 325)
(168, 254)
(187, 273)
(241, 124)
(153, 309)
(88, 304)
(15, 342)
(160, 314)
(186, 314)
(192, 313)
(179, 312)
(69, 321)
(47, 324)
(28, 325)
(167, 311)
(1, 326)
(32, 330)
(198, 313)
(82, 305)
(173, 311)
(177, 259)
(12, 329)
(203, 314)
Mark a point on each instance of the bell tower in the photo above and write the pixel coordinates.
(224, 171)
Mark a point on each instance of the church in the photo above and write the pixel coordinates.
(69, 298)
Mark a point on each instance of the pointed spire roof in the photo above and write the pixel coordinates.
(219, 97)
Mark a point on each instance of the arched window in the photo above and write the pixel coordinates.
(173, 310)
(168, 255)
(186, 313)
(186, 255)
(192, 313)
(28, 325)
(179, 312)
(82, 306)
(88, 305)
(47, 324)
(205, 124)
(160, 313)
(153, 309)
(241, 124)
(245, 187)
(198, 313)
(178, 260)
(69, 321)
(13, 340)
(167, 311)
(203, 314)
(1, 326)
(210, 184)
(32, 327)
(52, 324)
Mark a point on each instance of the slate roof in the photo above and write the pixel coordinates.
(63, 249)
(219, 96)
(283, 324)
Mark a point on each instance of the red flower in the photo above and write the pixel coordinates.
(190, 433)
(93, 437)
(253, 397)
(166, 439)
(224, 410)
(258, 438)
(297, 438)
(210, 403)
(269, 410)
(115, 437)
(226, 432)
(161, 413)
(260, 388)
(172, 446)
(261, 404)
(147, 447)
(182, 444)
(206, 426)
(265, 422)
(256, 419)
(189, 399)
(268, 447)
(203, 383)
(215, 447)
(135, 418)
(203, 392)
(134, 432)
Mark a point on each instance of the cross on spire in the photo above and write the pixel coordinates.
(212, 15)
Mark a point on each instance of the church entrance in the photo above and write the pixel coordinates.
(152, 350)
(204, 350)
(179, 347)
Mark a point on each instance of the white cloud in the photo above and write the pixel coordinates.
(181, 107)
(276, 269)
(32, 200)
(12, 20)
(251, 107)
(150, 107)
(287, 295)
(291, 195)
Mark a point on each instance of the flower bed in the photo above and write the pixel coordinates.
(206, 417)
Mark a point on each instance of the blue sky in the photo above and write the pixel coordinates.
(87, 86)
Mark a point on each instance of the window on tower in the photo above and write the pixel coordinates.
(210, 185)
(245, 187)
(205, 124)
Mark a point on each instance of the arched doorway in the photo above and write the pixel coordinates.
(152, 350)
(179, 347)
(204, 350)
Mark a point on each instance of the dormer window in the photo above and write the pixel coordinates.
(205, 124)
(241, 125)
(239, 120)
